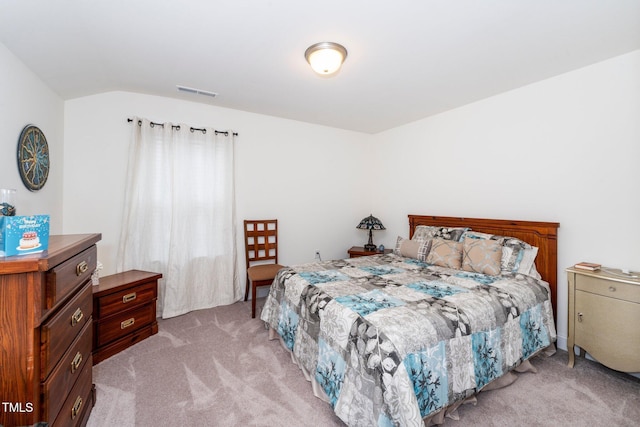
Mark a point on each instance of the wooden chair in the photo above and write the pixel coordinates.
(261, 250)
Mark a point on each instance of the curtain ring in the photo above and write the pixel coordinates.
(191, 129)
(178, 127)
(204, 131)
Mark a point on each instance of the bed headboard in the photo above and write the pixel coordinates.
(543, 235)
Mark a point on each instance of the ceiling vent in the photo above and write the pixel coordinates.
(196, 91)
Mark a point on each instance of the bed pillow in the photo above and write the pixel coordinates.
(481, 256)
(415, 249)
(445, 253)
(517, 256)
(426, 232)
(478, 235)
(534, 272)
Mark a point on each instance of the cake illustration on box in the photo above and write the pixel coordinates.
(22, 235)
(30, 240)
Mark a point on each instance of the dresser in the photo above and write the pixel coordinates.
(604, 317)
(46, 334)
(124, 308)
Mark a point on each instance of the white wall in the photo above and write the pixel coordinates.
(308, 177)
(566, 149)
(25, 100)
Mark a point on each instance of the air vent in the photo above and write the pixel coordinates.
(196, 91)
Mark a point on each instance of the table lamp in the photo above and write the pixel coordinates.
(370, 223)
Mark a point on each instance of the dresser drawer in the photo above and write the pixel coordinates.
(124, 323)
(609, 288)
(75, 405)
(58, 332)
(66, 373)
(66, 277)
(123, 300)
(115, 347)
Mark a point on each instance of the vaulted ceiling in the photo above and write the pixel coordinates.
(407, 59)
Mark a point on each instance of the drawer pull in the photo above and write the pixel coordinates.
(612, 288)
(76, 408)
(579, 317)
(76, 317)
(75, 363)
(127, 323)
(82, 268)
(129, 297)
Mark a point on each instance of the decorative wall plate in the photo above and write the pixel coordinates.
(33, 158)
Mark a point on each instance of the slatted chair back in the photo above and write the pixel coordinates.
(261, 250)
(261, 241)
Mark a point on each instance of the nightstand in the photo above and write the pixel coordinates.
(124, 310)
(604, 314)
(358, 251)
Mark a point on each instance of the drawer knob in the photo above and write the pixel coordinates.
(128, 297)
(127, 323)
(82, 268)
(612, 288)
(76, 317)
(75, 363)
(579, 317)
(76, 408)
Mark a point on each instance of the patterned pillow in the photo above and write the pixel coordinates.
(481, 256)
(519, 259)
(426, 232)
(412, 248)
(478, 235)
(517, 256)
(445, 253)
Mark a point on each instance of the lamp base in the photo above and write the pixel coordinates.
(370, 248)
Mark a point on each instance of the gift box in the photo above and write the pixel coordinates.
(21, 235)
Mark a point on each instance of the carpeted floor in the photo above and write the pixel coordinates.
(217, 367)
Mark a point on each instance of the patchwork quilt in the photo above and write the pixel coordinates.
(391, 340)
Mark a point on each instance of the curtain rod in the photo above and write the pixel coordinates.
(192, 129)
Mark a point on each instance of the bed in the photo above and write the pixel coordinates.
(405, 338)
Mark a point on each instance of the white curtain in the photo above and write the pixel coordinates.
(179, 215)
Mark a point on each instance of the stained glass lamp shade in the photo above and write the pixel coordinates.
(370, 223)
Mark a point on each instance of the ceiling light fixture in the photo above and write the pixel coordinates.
(325, 58)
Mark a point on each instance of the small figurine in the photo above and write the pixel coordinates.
(7, 210)
(381, 248)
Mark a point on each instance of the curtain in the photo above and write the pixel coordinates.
(179, 215)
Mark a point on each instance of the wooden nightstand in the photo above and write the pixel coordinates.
(358, 251)
(604, 314)
(124, 307)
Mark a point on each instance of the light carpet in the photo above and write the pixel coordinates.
(216, 367)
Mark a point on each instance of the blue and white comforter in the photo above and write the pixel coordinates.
(392, 340)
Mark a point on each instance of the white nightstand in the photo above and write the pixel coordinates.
(604, 317)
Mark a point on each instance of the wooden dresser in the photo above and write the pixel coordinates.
(604, 314)
(46, 333)
(124, 306)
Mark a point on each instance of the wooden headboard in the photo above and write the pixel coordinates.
(543, 235)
